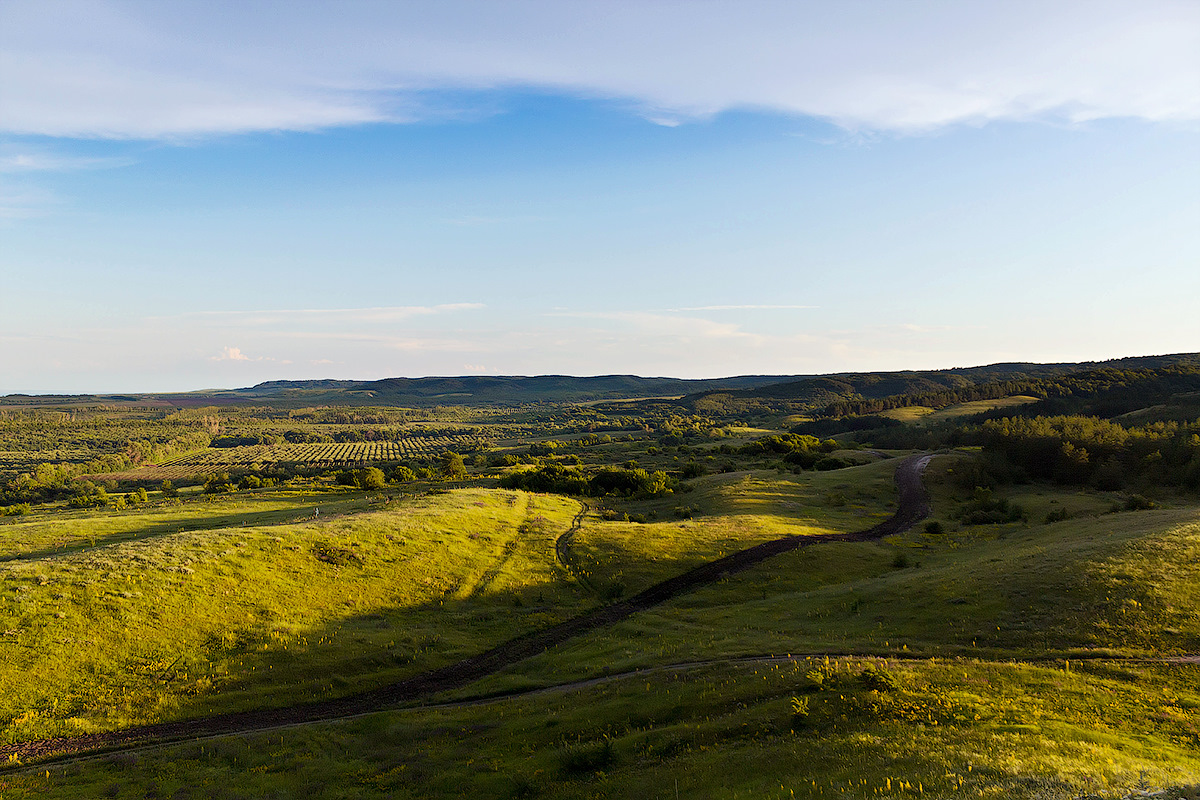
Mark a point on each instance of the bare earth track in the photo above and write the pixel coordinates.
(562, 550)
(913, 506)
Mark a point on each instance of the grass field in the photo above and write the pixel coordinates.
(1003, 645)
(925, 415)
(176, 621)
(731, 512)
(933, 729)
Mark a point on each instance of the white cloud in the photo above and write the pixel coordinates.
(161, 70)
(232, 354)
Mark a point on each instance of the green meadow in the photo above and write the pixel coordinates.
(1018, 660)
(184, 620)
(1031, 639)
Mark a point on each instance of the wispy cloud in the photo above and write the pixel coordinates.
(743, 308)
(160, 70)
(378, 314)
(24, 202)
(45, 162)
(683, 329)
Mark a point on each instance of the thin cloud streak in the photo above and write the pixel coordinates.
(744, 308)
(45, 162)
(316, 315)
(158, 71)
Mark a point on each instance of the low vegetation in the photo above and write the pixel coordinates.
(1034, 638)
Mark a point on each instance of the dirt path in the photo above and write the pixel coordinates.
(149, 744)
(913, 506)
(566, 558)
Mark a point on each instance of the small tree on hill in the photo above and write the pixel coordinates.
(371, 478)
(453, 468)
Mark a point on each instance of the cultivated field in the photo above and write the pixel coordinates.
(345, 454)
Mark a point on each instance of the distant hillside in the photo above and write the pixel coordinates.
(496, 390)
(853, 389)
(743, 392)
(275, 387)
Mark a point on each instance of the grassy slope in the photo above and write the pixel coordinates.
(195, 622)
(1098, 582)
(732, 512)
(924, 415)
(952, 729)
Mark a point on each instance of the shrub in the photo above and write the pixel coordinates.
(614, 590)
(337, 556)
(88, 495)
(452, 466)
(589, 758)
(799, 711)
(984, 509)
(1137, 502)
(217, 482)
(877, 679)
(1057, 515)
(370, 478)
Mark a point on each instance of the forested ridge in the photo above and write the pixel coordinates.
(1107, 392)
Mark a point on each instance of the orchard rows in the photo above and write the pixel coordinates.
(328, 454)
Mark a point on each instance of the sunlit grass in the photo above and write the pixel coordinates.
(201, 621)
(731, 512)
(183, 623)
(866, 730)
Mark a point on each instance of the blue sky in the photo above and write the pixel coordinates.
(208, 195)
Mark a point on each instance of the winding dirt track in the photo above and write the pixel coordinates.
(913, 506)
(562, 550)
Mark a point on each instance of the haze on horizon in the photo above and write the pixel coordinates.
(213, 194)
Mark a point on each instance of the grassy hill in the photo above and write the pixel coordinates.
(985, 661)
(1037, 639)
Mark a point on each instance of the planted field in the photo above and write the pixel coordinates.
(14, 461)
(325, 454)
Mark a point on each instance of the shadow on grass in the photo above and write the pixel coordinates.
(303, 510)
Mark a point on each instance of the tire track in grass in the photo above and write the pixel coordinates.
(566, 558)
(913, 506)
(151, 745)
(506, 554)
